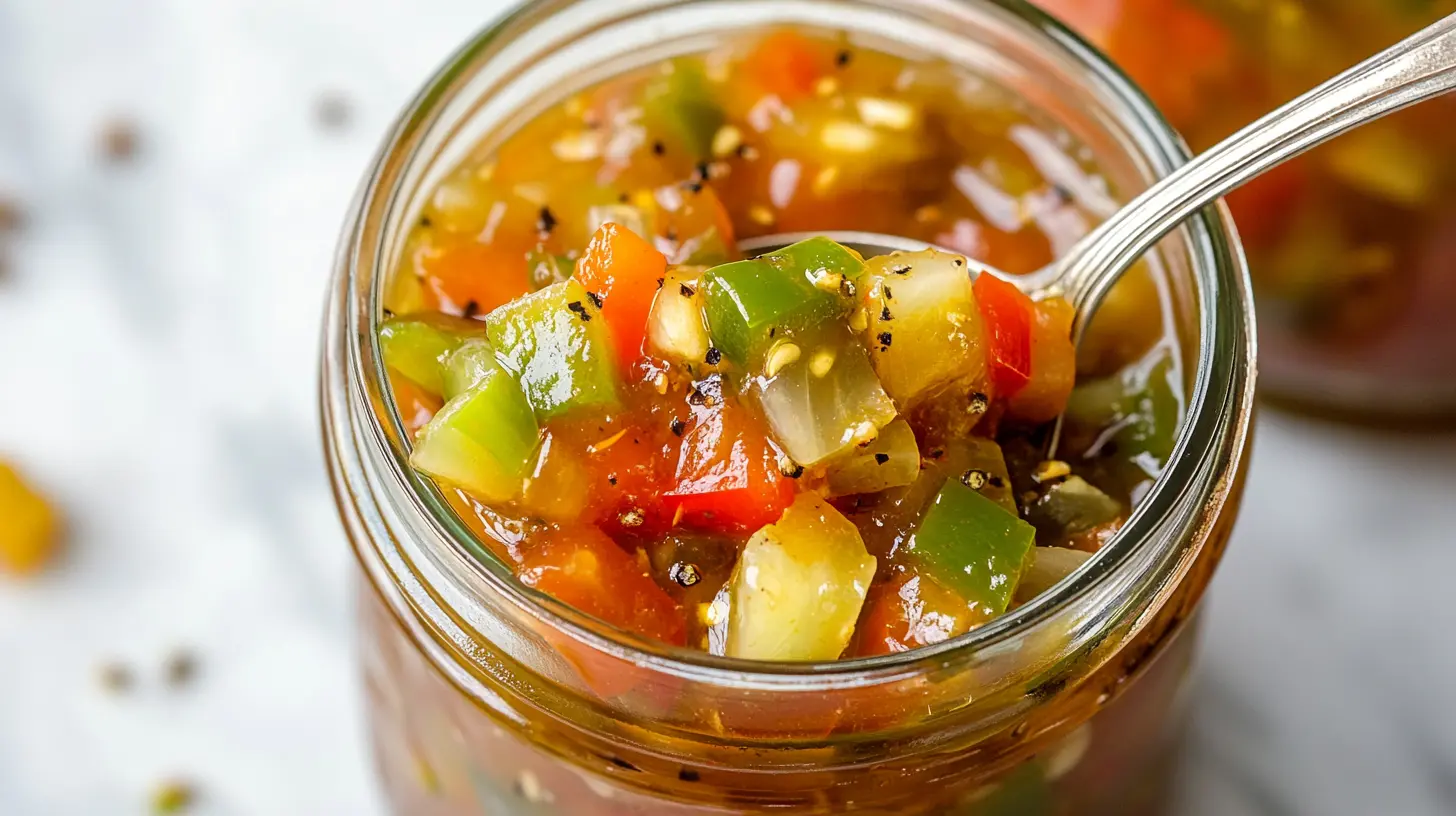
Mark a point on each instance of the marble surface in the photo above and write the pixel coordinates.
(158, 329)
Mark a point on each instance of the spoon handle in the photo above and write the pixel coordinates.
(1411, 71)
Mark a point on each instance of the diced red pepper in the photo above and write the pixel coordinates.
(1009, 314)
(622, 269)
(582, 567)
(728, 474)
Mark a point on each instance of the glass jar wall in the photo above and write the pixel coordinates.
(485, 698)
(1352, 248)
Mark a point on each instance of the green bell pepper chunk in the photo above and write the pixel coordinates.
(1144, 403)
(468, 365)
(817, 258)
(555, 342)
(418, 346)
(752, 303)
(482, 440)
(972, 545)
(681, 108)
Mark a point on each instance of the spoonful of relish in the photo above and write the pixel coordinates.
(1414, 70)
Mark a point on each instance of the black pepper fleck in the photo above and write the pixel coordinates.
(997, 481)
(881, 458)
(900, 269)
(622, 763)
(425, 222)
(546, 221)
(885, 338)
(658, 148)
(471, 309)
(595, 298)
(688, 775)
(580, 310)
(843, 58)
(847, 288)
(694, 186)
(685, 290)
(790, 468)
(885, 314)
(685, 575)
(677, 426)
(660, 282)
(701, 171)
(670, 235)
(888, 294)
(959, 262)
(612, 480)
(936, 453)
(713, 357)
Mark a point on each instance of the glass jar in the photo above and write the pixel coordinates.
(1352, 248)
(487, 698)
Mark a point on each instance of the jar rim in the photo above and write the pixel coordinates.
(1218, 414)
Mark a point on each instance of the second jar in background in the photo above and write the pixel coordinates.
(1352, 248)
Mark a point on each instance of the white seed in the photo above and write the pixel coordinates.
(848, 137)
(726, 140)
(779, 356)
(887, 113)
(822, 362)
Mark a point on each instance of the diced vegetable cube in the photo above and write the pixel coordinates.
(417, 346)
(622, 270)
(824, 262)
(582, 567)
(682, 107)
(728, 475)
(555, 342)
(1047, 568)
(1053, 364)
(925, 330)
(973, 545)
(482, 440)
(1143, 404)
(676, 329)
(1072, 506)
(912, 612)
(799, 585)
(892, 460)
(467, 365)
(1008, 314)
(827, 400)
(752, 303)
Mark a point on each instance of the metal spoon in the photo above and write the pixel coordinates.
(1414, 70)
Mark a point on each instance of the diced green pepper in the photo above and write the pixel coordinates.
(482, 440)
(798, 586)
(1145, 406)
(972, 545)
(820, 260)
(467, 365)
(1072, 506)
(547, 268)
(827, 399)
(751, 304)
(555, 342)
(417, 346)
(680, 107)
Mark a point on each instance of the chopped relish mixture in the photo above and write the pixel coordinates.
(804, 455)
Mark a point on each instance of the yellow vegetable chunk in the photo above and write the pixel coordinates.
(29, 529)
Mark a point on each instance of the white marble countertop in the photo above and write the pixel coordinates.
(158, 330)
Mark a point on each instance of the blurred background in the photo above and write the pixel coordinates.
(173, 175)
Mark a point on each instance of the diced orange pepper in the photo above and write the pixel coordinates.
(416, 406)
(623, 270)
(788, 65)
(911, 612)
(1054, 360)
(472, 277)
(1009, 314)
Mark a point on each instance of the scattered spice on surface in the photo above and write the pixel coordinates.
(658, 148)
(173, 796)
(332, 111)
(29, 527)
(847, 288)
(900, 269)
(595, 298)
(180, 668)
(120, 141)
(576, 307)
(885, 314)
(713, 357)
(885, 338)
(685, 290)
(843, 58)
(425, 222)
(677, 426)
(114, 677)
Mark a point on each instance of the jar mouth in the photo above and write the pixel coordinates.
(1219, 403)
